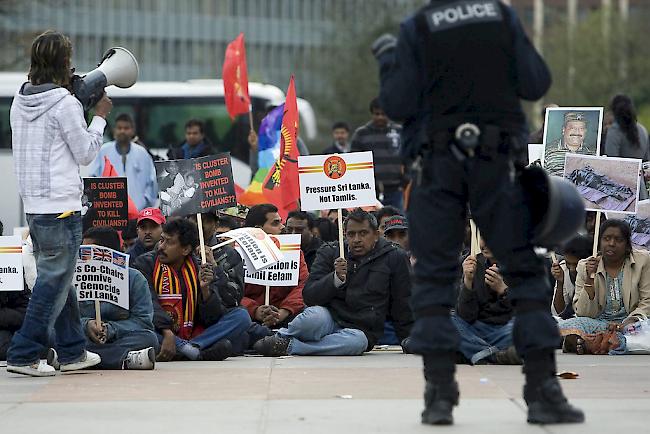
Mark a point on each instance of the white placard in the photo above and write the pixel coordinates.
(102, 274)
(11, 263)
(337, 181)
(256, 247)
(287, 271)
(535, 153)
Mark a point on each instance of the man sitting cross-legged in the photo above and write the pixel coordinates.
(125, 338)
(349, 297)
(196, 307)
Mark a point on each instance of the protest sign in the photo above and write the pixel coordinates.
(258, 249)
(105, 202)
(573, 130)
(286, 271)
(535, 153)
(336, 181)
(11, 263)
(195, 185)
(102, 274)
(605, 183)
(639, 224)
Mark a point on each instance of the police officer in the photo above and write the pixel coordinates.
(454, 77)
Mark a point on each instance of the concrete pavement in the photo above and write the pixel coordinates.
(379, 392)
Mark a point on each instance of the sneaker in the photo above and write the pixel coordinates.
(89, 360)
(53, 359)
(272, 346)
(38, 369)
(217, 352)
(548, 405)
(439, 401)
(508, 356)
(141, 360)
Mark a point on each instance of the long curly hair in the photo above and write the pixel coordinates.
(51, 56)
(625, 115)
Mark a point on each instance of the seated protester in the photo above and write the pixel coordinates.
(484, 314)
(125, 339)
(396, 229)
(565, 272)
(149, 228)
(196, 313)
(350, 297)
(325, 230)
(224, 224)
(130, 235)
(302, 223)
(612, 289)
(209, 222)
(285, 302)
(333, 216)
(13, 305)
(382, 214)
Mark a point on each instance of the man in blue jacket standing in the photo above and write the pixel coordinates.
(455, 77)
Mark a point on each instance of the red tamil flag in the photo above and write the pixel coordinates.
(110, 172)
(281, 186)
(235, 78)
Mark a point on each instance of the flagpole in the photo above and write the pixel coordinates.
(250, 117)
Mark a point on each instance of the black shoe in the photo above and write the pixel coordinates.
(272, 346)
(439, 400)
(508, 356)
(217, 352)
(548, 405)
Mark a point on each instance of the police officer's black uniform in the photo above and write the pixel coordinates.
(457, 62)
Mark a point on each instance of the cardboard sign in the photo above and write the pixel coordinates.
(105, 202)
(11, 263)
(102, 274)
(336, 181)
(197, 185)
(286, 271)
(256, 247)
(605, 183)
(639, 224)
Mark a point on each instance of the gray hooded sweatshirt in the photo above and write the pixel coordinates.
(50, 140)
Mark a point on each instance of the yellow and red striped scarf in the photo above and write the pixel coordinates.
(170, 296)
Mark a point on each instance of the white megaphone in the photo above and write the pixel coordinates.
(118, 67)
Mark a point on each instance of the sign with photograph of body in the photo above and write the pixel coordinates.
(639, 224)
(11, 263)
(286, 271)
(336, 181)
(102, 274)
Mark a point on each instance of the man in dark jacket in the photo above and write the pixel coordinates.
(13, 306)
(349, 297)
(484, 313)
(340, 139)
(302, 223)
(196, 144)
(196, 306)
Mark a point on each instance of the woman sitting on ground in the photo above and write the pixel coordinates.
(612, 290)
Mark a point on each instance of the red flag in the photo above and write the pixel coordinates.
(235, 78)
(281, 186)
(110, 172)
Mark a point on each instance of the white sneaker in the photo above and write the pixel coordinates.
(142, 360)
(40, 369)
(53, 359)
(89, 360)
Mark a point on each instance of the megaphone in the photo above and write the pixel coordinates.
(118, 68)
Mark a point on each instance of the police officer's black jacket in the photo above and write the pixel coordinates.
(376, 285)
(480, 302)
(227, 288)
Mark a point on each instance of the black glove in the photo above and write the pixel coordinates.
(383, 44)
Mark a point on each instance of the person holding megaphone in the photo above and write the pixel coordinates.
(50, 140)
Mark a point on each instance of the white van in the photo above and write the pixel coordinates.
(160, 110)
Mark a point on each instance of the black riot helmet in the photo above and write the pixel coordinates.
(557, 210)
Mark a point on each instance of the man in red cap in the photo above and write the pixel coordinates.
(149, 228)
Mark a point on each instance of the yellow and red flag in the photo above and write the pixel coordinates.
(281, 186)
(235, 78)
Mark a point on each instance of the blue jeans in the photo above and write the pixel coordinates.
(53, 305)
(232, 325)
(480, 340)
(394, 198)
(390, 336)
(113, 353)
(315, 333)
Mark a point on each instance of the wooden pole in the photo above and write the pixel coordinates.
(250, 117)
(472, 245)
(98, 318)
(199, 222)
(267, 295)
(596, 230)
(225, 243)
(341, 246)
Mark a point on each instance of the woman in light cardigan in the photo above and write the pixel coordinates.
(612, 289)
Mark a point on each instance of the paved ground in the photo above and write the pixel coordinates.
(379, 392)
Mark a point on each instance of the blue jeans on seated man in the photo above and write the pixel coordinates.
(53, 305)
(232, 325)
(114, 353)
(314, 332)
(480, 340)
